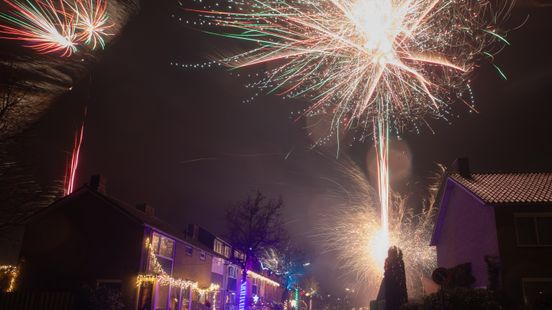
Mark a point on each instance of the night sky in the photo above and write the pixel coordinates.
(183, 141)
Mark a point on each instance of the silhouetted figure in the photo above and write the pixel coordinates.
(395, 280)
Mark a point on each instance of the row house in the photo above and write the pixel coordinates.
(262, 289)
(89, 240)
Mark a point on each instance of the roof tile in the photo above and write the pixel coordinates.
(496, 188)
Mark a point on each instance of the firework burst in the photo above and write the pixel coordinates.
(45, 26)
(360, 59)
(373, 65)
(93, 21)
(56, 27)
(359, 240)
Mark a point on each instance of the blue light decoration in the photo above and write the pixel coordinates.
(243, 290)
(297, 298)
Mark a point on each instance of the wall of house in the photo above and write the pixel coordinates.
(80, 243)
(468, 232)
(518, 262)
(192, 267)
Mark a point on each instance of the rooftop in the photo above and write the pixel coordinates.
(504, 188)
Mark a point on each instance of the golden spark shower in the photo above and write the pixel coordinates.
(378, 67)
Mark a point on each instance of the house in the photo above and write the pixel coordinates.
(225, 270)
(500, 223)
(90, 240)
(262, 288)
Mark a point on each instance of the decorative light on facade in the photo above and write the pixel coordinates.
(13, 273)
(262, 278)
(243, 291)
(164, 279)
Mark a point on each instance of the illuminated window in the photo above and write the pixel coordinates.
(219, 247)
(533, 229)
(163, 248)
(227, 251)
(155, 242)
(162, 245)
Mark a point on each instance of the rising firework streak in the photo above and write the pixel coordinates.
(73, 163)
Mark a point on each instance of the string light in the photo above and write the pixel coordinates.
(243, 290)
(13, 273)
(262, 278)
(164, 279)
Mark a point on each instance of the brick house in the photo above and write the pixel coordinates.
(88, 239)
(500, 221)
(263, 290)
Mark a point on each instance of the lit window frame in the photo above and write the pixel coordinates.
(162, 236)
(218, 247)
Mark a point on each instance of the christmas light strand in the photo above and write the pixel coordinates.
(164, 279)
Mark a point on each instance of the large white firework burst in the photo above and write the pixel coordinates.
(362, 59)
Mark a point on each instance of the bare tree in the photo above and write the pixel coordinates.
(21, 194)
(12, 91)
(255, 225)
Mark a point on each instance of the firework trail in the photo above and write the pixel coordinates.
(356, 231)
(73, 163)
(45, 26)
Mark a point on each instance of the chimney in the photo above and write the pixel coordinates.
(463, 167)
(97, 183)
(192, 231)
(147, 209)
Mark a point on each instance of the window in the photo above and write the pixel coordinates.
(162, 245)
(189, 250)
(217, 266)
(202, 255)
(536, 290)
(222, 248)
(163, 248)
(232, 272)
(533, 229)
(219, 247)
(227, 251)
